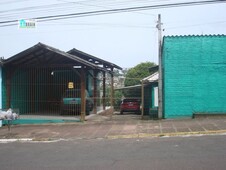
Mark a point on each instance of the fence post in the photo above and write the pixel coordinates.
(112, 92)
(95, 91)
(104, 90)
(142, 99)
(83, 97)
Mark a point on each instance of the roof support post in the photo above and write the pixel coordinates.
(95, 91)
(112, 90)
(104, 90)
(142, 99)
(83, 96)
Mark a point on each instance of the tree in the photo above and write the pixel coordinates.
(135, 74)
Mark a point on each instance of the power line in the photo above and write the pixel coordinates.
(79, 4)
(111, 11)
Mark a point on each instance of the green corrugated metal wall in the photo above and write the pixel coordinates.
(147, 100)
(194, 73)
(36, 89)
(3, 88)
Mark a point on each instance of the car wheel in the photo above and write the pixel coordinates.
(121, 112)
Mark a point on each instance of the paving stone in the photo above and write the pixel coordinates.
(129, 127)
(168, 130)
(153, 131)
(183, 130)
(196, 128)
(210, 127)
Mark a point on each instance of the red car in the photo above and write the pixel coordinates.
(130, 105)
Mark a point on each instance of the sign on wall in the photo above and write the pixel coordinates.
(71, 85)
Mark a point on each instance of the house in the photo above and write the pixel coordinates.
(194, 75)
(150, 92)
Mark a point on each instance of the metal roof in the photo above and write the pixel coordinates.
(93, 59)
(41, 55)
(129, 87)
(152, 78)
(197, 36)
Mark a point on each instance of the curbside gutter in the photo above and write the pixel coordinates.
(146, 135)
(15, 140)
(35, 140)
(111, 137)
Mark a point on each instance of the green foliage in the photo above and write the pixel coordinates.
(135, 74)
(117, 99)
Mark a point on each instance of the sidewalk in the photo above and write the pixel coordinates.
(116, 126)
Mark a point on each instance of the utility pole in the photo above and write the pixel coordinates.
(160, 105)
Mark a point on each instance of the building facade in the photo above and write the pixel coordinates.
(194, 75)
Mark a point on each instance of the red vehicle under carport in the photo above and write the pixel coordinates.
(130, 105)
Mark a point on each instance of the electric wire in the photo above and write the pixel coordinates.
(118, 10)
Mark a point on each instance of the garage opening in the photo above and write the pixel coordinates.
(141, 99)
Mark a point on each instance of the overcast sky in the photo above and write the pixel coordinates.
(125, 39)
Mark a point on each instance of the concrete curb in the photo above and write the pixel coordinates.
(146, 135)
(35, 140)
(15, 140)
(128, 136)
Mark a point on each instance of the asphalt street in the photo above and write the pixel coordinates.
(171, 153)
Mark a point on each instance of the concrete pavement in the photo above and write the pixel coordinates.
(114, 127)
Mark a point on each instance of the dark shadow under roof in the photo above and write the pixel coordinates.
(93, 59)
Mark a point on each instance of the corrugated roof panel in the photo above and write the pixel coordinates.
(152, 78)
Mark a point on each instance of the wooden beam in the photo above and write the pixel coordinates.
(83, 96)
(142, 99)
(104, 90)
(95, 91)
(112, 90)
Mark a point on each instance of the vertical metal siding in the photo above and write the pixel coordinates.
(4, 94)
(0, 87)
(36, 90)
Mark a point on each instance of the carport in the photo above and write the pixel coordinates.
(35, 79)
(147, 92)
